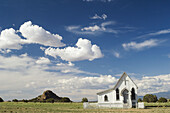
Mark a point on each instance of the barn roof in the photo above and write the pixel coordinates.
(108, 90)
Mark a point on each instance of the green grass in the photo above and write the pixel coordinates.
(157, 104)
(11, 107)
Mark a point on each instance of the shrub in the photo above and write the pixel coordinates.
(139, 100)
(65, 99)
(1, 100)
(84, 100)
(24, 100)
(150, 98)
(162, 99)
(51, 100)
(14, 100)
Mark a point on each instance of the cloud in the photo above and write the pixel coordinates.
(153, 84)
(103, 16)
(116, 54)
(43, 60)
(65, 64)
(42, 48)
(20, 78)
(5, 51)
(22, 74)
(24, 55)
(161, 32)
(142, 45)
(36, 34)
(78, 30)
(87, 82)
(10, 40)
(108, 23)
(84, 51)
(93, 30)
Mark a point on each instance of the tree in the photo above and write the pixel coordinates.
(150, 98)
(155, 98)
(162, 99)
(139, 100)
(84, 100)
(24, 100)
(14, 100)
(51, 100)
(65, 99)
(1, 100)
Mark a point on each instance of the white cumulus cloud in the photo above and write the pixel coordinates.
(153, 84)
(10, 40)
(84, 51)
(65, 64)
(21, 75)
(36, 34)
(43, 60)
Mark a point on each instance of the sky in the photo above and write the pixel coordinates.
(77, 48)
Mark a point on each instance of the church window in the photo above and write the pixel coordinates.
(133, 96)
(105, 98)
(117, 94)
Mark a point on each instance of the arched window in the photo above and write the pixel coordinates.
(105, 98)
(117, 94)
(133, 96)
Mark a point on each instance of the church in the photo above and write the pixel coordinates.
(122, 95)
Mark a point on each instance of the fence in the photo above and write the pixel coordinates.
(87, 105)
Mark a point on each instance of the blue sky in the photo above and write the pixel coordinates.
(81, 46)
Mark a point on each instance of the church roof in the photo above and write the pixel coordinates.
(124, 74)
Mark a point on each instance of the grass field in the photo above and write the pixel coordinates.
(11, 107)
(158, 104)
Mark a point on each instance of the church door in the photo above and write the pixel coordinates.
(125, 96)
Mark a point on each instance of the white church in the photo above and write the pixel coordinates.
(122, 95)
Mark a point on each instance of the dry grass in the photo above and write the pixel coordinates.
(11, 107)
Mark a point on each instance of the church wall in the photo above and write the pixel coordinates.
(109, 95)
(112, 94)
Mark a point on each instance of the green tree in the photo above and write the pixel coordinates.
(65, 99)
(1, 100)
(84, 100)
(139, 100)
(51, 100)
(14, 100)
(162, 99)
(24, 100)
(150, 98)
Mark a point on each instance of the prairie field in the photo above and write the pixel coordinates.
(30, 107)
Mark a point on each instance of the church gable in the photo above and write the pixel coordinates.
(123, 81)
